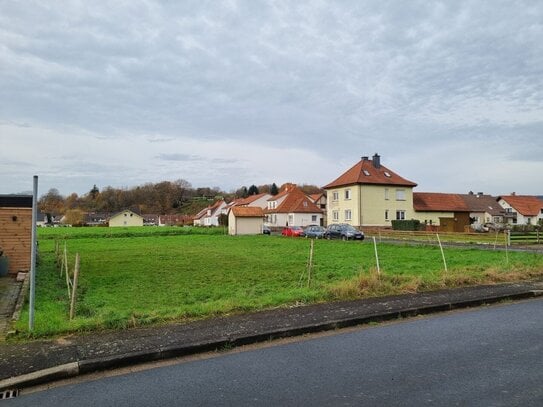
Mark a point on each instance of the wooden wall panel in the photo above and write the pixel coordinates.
(16, 236)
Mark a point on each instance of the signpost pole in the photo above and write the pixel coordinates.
(33, 255)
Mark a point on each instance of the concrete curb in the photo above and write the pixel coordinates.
(100, 364)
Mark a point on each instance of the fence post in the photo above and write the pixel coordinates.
(442, 252)
(376, 256)
(310, 263)
(74, 287)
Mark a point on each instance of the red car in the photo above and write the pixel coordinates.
(294, 231)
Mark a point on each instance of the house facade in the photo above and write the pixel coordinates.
(210, 216)
(522, 209)
(292, 207)
(369, 194)
(125, 218)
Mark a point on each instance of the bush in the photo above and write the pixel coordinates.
(412, 224)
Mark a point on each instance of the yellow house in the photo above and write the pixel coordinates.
(125, 218)
(369, 194)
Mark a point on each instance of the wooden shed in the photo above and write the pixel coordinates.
(16, 230)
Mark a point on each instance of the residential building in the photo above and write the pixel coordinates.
(320, 201)
(369, 194)
(125, 218)
(292, 207)
(258, 200)
(522, 209)
(484, 208)
(210, 216)
(95, 219)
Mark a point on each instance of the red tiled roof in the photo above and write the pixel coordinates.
(247, 211)
(316, 197)
(526, 205)
(296, 202)
(364, 172)
(438, 202)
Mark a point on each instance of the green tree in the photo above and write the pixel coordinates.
(253, 190)
(274, 190)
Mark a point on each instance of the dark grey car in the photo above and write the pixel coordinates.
(343, 231)
(314, 231)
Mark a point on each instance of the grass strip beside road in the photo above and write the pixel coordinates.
(140, 280)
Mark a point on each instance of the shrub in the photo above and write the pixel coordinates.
(412, 224)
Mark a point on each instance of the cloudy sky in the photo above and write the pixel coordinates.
(232, 93)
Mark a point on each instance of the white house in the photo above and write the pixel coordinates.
(522, 209)
(292, 207)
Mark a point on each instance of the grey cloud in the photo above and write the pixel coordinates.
(339, 78)
(179, 157)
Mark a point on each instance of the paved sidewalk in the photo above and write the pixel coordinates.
(9, 294)
(41, 361)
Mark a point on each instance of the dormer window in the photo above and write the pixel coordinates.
(305, 204)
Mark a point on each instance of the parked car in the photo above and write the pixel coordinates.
(314, 231)
(294, 231)
(343, 231)
(266, 230)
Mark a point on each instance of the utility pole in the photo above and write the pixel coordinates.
(33, 255)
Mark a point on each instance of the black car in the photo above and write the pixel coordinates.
(266, 230)
(343, 231)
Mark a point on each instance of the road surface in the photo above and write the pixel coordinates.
(491, 356)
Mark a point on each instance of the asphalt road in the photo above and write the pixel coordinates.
(491, 356)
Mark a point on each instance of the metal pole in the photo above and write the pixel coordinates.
(33, 255)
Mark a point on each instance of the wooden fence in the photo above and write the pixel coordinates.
(491, 238)
(526, 237)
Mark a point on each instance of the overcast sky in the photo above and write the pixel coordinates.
(121, 93)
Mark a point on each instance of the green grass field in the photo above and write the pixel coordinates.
(138, 276)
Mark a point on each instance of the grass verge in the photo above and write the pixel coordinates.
(136, 280)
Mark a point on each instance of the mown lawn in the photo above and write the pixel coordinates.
(139, 277)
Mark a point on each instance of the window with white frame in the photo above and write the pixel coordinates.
(400, 215)
(347, 214)
(400, 194)
(347, 194)
(386, 214)
(313, 218)
(335, 196)
(335, 215)
(386, 194)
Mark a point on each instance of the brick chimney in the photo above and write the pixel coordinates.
(376, 160)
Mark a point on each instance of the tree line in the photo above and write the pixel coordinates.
(166, 197)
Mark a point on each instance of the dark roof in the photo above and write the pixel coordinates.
(483, 203)
(365, 172)
(15, 201)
